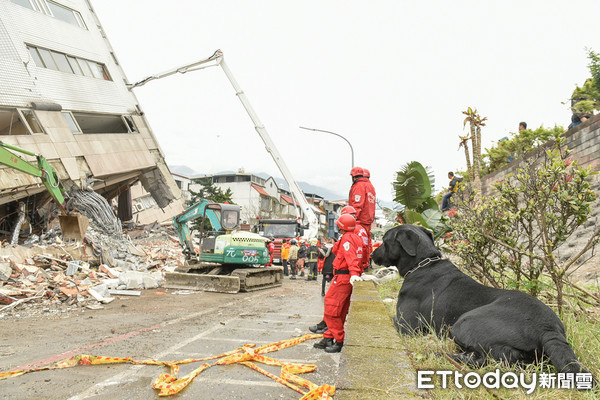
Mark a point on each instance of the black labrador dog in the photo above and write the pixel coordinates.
(507, 325)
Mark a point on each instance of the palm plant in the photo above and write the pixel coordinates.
(414, 188)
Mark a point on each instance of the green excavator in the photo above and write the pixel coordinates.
(226, 260)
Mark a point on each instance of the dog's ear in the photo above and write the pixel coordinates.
(428, 232)
(409, 241)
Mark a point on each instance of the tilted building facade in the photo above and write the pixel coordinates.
(64, 95)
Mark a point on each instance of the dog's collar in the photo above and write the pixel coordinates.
(425, 262)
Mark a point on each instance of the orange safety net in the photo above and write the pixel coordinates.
(247, 355)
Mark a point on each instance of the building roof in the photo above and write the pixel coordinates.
(260, 190)
(287, 199)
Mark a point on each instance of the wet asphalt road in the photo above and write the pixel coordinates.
(167, 325)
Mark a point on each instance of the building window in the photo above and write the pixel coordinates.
(71, 122)
(265, 203)
(100, 123)
(55, 10)
(67, 63)
(26, 3)
(32, 121)
(230, 179)
(130, 124)
(66, 14)
(19, 122)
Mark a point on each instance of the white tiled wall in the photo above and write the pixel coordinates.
(22, 82)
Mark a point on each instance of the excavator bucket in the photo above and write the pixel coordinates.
(73, 226)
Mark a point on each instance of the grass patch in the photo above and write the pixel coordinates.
(426, 353)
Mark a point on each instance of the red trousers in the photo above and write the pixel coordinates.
(337, 303)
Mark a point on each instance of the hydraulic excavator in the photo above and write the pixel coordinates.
(73, 225)
(226, 260)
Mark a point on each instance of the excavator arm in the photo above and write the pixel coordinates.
(43, 170)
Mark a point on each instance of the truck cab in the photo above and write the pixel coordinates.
(280, 230)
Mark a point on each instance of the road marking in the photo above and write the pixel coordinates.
(267, 330)
(240, 341)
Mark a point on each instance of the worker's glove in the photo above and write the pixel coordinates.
(355, 278)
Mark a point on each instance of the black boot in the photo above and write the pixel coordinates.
(336, 347)
(325, 343)
(321, 327)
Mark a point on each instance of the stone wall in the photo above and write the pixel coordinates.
(584, 143)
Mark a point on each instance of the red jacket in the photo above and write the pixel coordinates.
(362, 198)
(361, 232)
(349, 254)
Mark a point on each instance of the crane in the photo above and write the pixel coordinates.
(217, 59)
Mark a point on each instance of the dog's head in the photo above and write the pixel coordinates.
(404, 246)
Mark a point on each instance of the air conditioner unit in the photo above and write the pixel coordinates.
(139, 207)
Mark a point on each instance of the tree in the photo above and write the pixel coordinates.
(586, 99)
(475, 123)
(210, 192)
(512, 238)
(464, 143)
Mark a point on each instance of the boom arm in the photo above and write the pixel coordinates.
(194, 212)
(44, 170)
(218, 59)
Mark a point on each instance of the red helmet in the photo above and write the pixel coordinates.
(366, 173)
(346, 222)
(349, 210)
(356, 171)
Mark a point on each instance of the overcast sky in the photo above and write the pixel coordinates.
(392, 76)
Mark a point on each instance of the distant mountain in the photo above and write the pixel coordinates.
(183, 170)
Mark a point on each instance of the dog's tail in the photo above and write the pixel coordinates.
(562, 356)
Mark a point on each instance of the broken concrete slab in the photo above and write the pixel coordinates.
(115, 292)
(5, 271)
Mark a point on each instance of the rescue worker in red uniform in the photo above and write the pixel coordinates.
(362, 233)
(346, 271)
(362, 197)
(271, 248)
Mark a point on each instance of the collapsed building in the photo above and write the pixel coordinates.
(64, 96)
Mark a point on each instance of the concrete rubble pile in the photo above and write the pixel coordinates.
(47, 275)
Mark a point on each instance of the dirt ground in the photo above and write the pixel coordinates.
(165, 325)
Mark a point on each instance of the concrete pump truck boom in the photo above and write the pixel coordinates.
(217, 59)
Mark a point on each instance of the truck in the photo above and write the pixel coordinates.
(279, 230)
(226, 260)
(217, 59)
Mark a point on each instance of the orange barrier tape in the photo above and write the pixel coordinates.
(247, 355)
